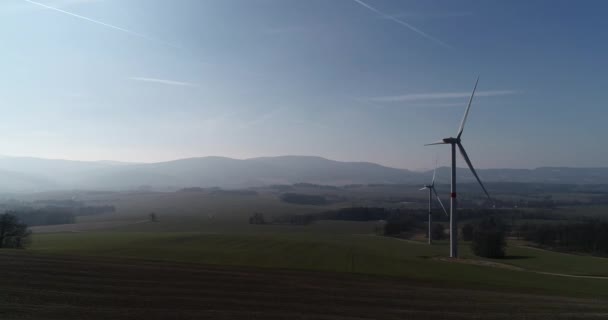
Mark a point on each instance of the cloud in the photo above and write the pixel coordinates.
(441, 95)
(107, 25)
(402, 23)
(165, 82)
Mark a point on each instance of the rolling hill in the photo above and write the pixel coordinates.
(22, 174)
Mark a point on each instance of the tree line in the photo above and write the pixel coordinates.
(487, 236)
(585, 236)
(486, 231)
(407, 218)
(43, 216)
(52, 215)
(298, 198)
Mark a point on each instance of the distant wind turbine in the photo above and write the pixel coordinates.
(457, 142)
(431, 188)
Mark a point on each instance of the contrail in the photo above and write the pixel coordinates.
(441, 95)
(133, 33)
(165, 81)
(403, 23)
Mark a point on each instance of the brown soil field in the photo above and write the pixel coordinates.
(36, 286)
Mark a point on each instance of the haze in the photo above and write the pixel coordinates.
(303, 159)
(148, 81)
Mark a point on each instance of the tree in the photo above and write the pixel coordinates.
(438, 231)
(467, 232)
(13, 234)
(489, 238)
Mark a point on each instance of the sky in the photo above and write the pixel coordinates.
(352, 80)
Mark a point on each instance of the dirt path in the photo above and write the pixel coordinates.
(84, 226)
(411, 241)
(394, 238)
(570, 275)
(487, 263)
(541, 249)
(484, 263)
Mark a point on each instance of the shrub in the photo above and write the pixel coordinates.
(13, 234)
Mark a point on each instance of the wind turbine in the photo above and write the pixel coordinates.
(431, 188)
(457, 142)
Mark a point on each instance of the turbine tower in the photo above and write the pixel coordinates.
(432, 191)
(454, 142)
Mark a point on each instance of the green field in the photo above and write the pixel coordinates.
(365, 254)
(119, 263)
(41, 286)
(213, 229)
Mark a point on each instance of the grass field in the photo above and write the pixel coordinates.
(326, 270)
(36, 286)
(341, 253)
(556, 262)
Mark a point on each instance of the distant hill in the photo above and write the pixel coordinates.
(233, 173)
(556, 175)
(21, 174)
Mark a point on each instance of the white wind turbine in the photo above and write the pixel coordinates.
(458, 142)
(431, 188)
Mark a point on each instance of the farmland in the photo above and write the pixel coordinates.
(203, 258)
(69, 287)
(338, 253)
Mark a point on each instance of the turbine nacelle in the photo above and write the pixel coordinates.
(451, 140)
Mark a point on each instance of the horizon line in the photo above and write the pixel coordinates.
(287, 155)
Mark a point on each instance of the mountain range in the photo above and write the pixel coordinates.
(25, 174)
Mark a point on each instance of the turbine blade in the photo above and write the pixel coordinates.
(434, 173)
(466, 113)
(441, 203)
(466, 158)
(423, 188)
(434, 143)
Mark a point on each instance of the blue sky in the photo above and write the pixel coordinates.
(371, 80)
